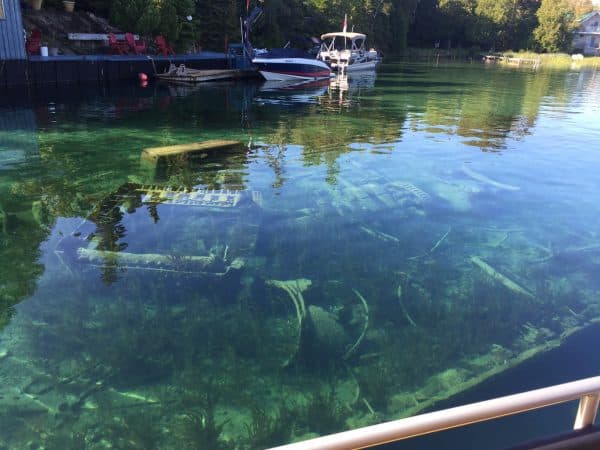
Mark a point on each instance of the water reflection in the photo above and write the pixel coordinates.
(353, 260)
(291, 93)
(348, 89)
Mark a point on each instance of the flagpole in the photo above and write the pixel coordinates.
(345, 28)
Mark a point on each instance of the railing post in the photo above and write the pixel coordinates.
(586, 413)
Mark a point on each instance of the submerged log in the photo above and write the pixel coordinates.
(501, 278)
(486, 180)
(211, 264)
(143, 258)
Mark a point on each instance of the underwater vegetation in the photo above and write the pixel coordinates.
(198, 430)
(264, 429)
(302, 287)
(323, 413)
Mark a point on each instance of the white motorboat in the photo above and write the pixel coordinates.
(290, 64)
(346, 52)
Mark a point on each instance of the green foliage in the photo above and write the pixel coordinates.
(99, 7)
(554, 32)
(218, 22)
(6, 314)
(581, 7)
(323, 413)
(54, 3)
(199, 431)
(489, 24)
(266, 431)
(150, 18)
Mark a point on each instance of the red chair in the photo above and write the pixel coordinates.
(116, 47)
(34, 41)
(138, 47)
(163, 47)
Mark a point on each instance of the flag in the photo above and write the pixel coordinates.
(345, 24)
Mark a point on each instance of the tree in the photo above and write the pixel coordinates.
(460, 19)
(581, 7)
(166, 17)
(554, 32)
(505, 24)
(219, 21)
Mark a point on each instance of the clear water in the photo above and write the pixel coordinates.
(382, 244)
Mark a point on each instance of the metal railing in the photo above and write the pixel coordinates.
(586, 390)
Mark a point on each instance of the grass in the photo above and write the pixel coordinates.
(547, 60)
(556, 60)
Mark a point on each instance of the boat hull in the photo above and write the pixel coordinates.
(273, 69)
(357, 66)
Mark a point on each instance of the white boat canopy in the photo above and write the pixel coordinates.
(347, 35)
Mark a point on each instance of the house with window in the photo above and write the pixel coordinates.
(586, 38)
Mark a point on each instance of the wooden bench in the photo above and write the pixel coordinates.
(96, 36)
(94, 42)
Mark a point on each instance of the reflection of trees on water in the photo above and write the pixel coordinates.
(110, 231)
(486, 114)
(275, 159)
(24, 220)
(20, 238)
(325, 129)
(75, 165)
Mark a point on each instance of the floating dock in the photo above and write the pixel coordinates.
(186, 75)
(106, 69)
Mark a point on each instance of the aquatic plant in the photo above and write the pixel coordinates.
(265, 430)
(66, 439)
(378, 382)
(6, 313)
(198, 430)
(323, 413)
(143, 429)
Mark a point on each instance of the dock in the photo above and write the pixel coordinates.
(534, 62)
(45, 71)
(512, 61)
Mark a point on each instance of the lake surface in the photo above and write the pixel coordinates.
(374, 246)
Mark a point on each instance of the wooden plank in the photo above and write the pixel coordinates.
(153, 154)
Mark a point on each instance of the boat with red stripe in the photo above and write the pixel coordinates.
(290, 64)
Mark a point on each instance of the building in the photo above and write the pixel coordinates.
(12, 42)
(586, 38)
(13, 58)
